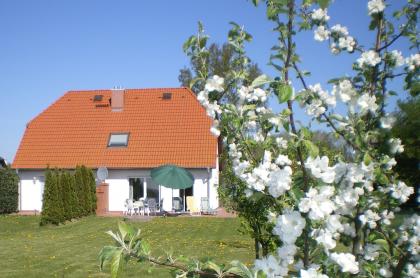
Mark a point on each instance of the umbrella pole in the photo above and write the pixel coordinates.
(160, 205)
(184, 199)
(173, 199)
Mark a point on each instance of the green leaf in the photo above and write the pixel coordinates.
(311, 148)
(323, 3)
(105, 255)
(213, 266)
(240, 269)
(116, 263)
(415, 89)
(261, 80)
(145, 248)
(122, 227)
(255, 2)
(284, 93)
(367, 159)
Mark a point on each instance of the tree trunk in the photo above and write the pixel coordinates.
(257, 248)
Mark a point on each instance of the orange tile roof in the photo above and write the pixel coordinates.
(74, 131)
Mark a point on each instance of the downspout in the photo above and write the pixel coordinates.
(208, 185)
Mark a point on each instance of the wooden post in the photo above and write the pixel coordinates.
(102, 197)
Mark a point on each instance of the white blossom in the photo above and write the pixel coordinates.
(325, 238)
(321, 33)
(289, 226)
(280, 181)
(320, 169)
(346, 261)
(347, 43)
(215, 83)
(367, 103)
(344, 90)
(397, 57)
(283, 160)
(401, 191)
(413, 61)
(215, 131)
(311, 273)
(270, 266)
(375, 6)
(346, 199)
(281, 142)
(387, 121)
(391, 163)
(370, 218)
(315, 108)
(413, 271)
(385, 272)
(320, 15)
(395, 145)
(369, 58)
(386, 217)
(340, 30)
(318, 203)
(259, 94)
(371, 252)
(323, 95)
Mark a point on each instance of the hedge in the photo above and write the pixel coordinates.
(68, 195)
(9, 190)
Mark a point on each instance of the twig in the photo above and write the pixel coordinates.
(325, 116)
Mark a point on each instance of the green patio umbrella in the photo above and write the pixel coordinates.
(172, 176)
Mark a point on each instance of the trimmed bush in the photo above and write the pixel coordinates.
(9, 191)
(80, 193)
(72, 195)
(89, 189)
(52, 207)
(66, 195)
(92, 188)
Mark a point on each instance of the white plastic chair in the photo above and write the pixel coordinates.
(139, 207)
(129, 206)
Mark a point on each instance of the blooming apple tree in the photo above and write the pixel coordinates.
(336, 216)
(332, 217)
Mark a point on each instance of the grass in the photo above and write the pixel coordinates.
(71, 250)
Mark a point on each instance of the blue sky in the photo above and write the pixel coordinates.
(50, 47)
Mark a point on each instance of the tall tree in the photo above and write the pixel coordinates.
(220, 60)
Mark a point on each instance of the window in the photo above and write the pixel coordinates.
(118, 140)
(136, 188)
(167, 96)
(98, 98)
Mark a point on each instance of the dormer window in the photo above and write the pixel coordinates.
(118, 140)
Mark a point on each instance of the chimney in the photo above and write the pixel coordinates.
(117, 99)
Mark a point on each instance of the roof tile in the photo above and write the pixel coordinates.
(74, 131)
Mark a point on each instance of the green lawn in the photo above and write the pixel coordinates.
(71, 250)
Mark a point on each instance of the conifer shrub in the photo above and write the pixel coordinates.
(64, 194)
(9, 191)
(80, 193)
(74, 203)
(52, 209)
(68, 195)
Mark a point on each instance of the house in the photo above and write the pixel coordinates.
(128, 131)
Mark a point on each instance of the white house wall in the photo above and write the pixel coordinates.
(119, 187)
(31, 188)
